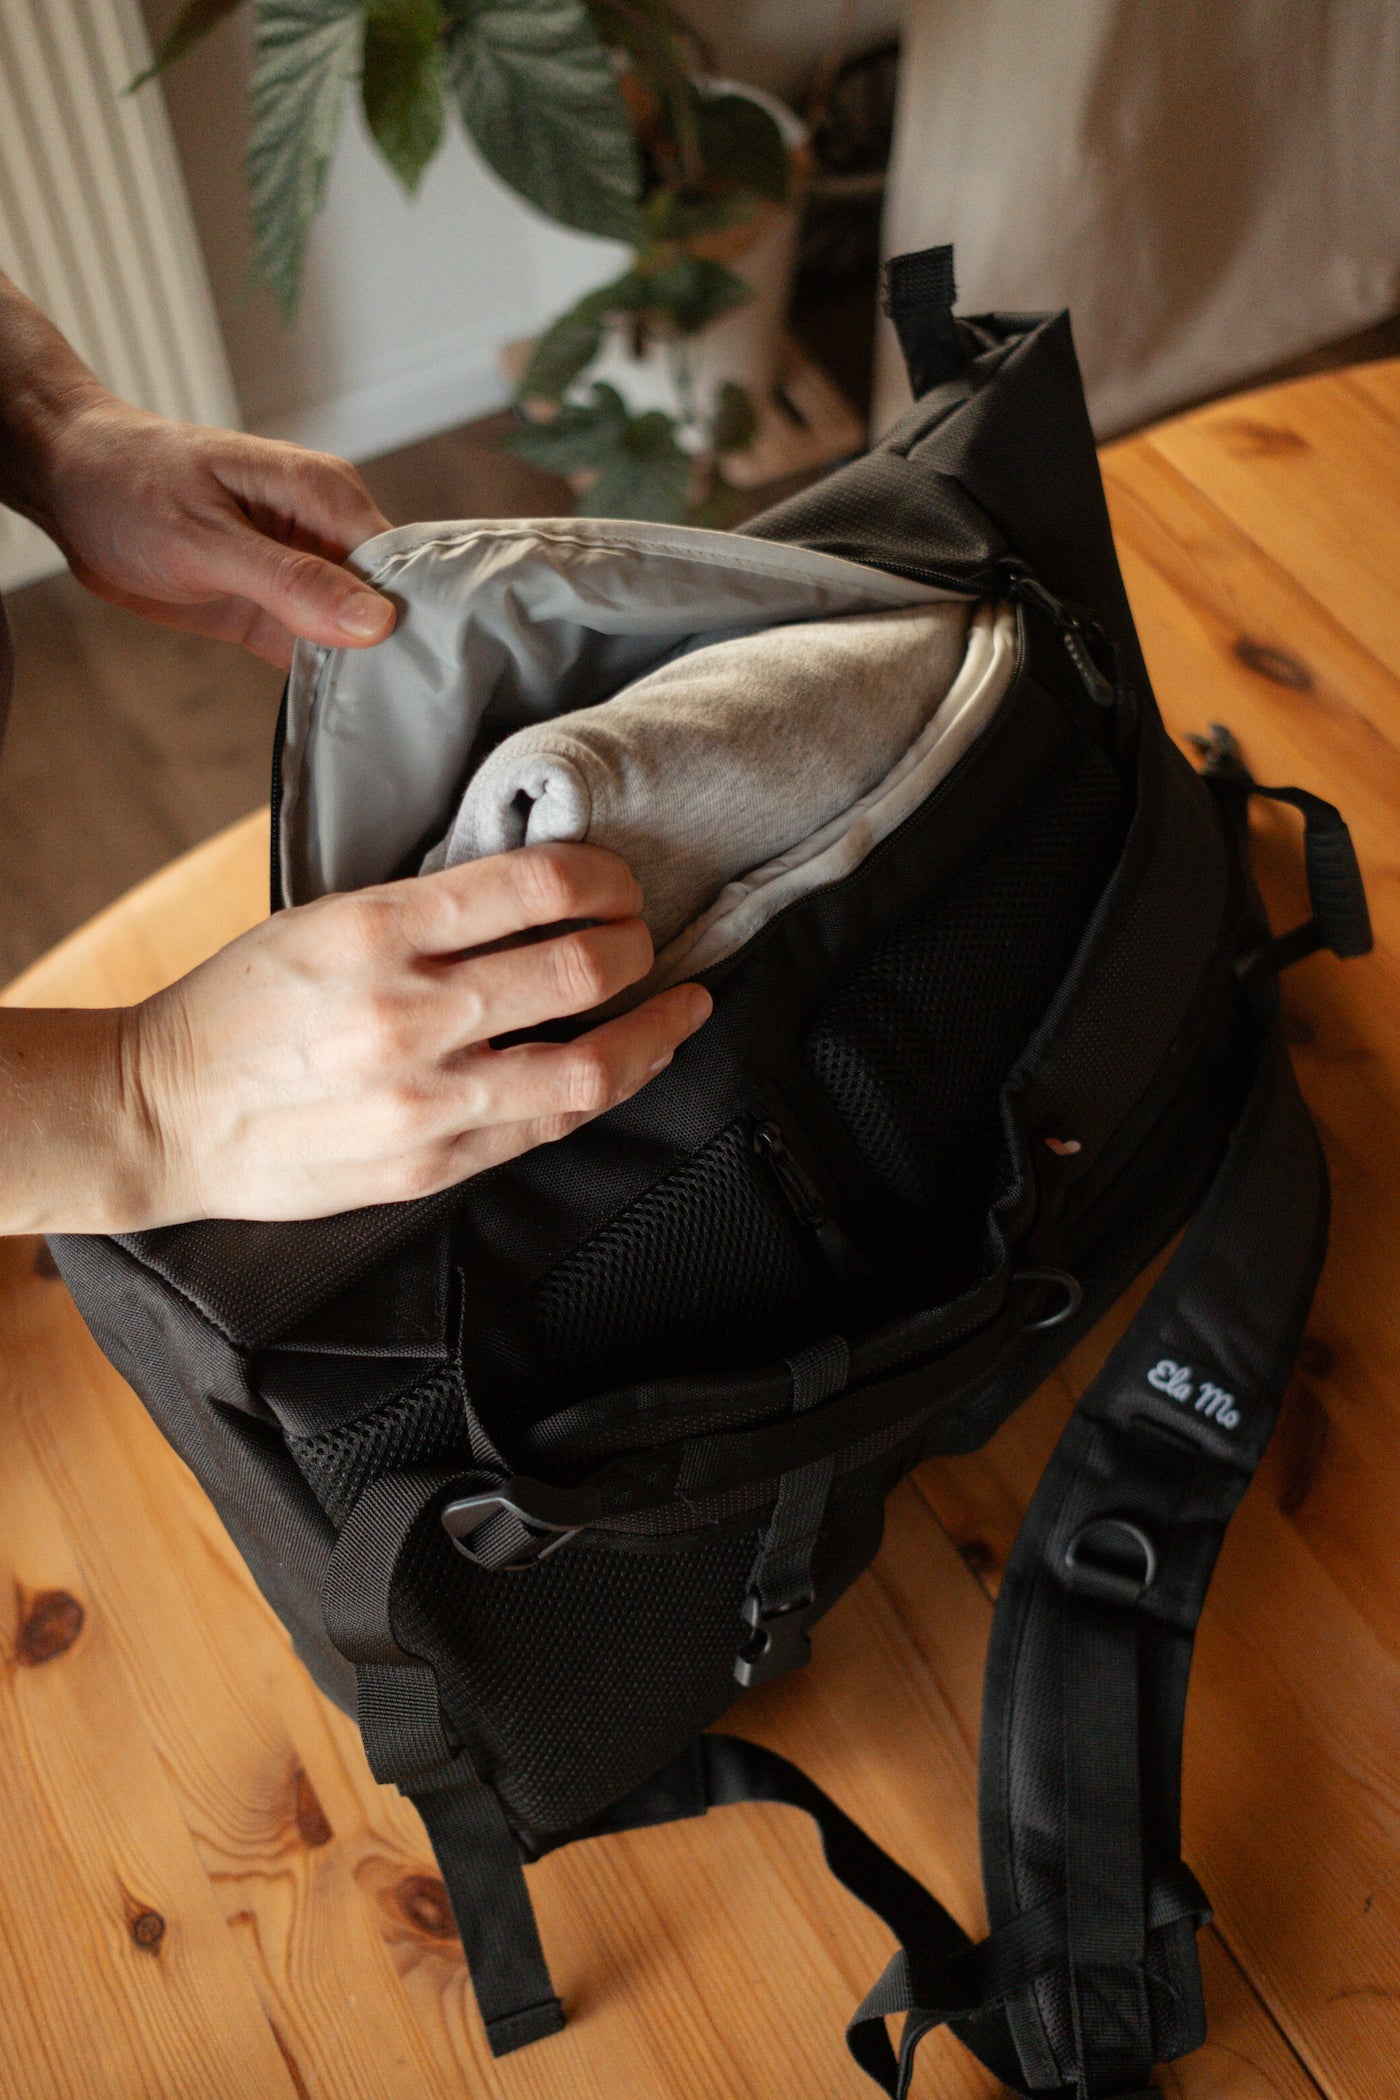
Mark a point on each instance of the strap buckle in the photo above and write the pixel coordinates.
(511, 1526)
(780, 1641)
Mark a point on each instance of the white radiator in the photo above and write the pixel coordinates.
(94, 223)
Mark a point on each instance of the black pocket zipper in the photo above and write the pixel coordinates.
(807, 1204)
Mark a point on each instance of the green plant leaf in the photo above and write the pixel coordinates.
(694, 291)
(577, 437)
(735, 422)
(402, 84)
(646, 31)
(639, 470)
(643, 473)
(742, 146)
(565, 349)
(672, 215)
(538, 95)
(195, 20)
(306, 55)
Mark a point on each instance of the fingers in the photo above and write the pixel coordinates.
(554, 1087)
(494, 995)
(487, 900)
(221, 619)
(322, 498)
(301, 592)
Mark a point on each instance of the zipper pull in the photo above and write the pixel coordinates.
(807, 1204)
(1022, 585)
(803, 1195)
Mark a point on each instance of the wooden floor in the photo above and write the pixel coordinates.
(202, 1893)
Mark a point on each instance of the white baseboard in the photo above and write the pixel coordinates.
(416, 403)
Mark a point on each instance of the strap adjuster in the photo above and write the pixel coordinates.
(511, 1526)
(1111, 1560)
(780, 1641)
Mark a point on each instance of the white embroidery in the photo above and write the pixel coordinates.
(1178, 1382)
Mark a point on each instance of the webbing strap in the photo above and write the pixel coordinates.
(939, 1973)
(485, 1883)
(782, 1590)
(1092, 1635)
(408, 1745)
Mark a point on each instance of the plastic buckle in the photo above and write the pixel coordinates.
(1111, 1560)
(538, 1510)
(780, 1641)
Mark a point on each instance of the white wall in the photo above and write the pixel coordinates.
(407, 303)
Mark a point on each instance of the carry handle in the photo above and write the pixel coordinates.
(919, 295)
(1336, 891)
(1341, 918)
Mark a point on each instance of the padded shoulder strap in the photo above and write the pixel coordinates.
(1088, 1975)
(1092, 1638)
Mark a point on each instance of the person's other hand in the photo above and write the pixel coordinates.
(238, 537)
(341, 1053)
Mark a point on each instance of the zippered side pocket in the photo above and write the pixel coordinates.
(804, 1199)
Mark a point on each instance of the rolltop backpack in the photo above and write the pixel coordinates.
(541, 1470)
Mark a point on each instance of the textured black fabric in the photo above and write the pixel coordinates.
(1006, 1042)
(569, 1681)
(485, 1882)
(707, 1271)
(422, 1425)
(914, 1047)
(1226, 1318)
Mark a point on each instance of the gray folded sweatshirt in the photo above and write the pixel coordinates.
(721, 759)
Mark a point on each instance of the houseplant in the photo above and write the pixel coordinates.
(603, 115)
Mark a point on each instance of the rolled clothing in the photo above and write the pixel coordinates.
(722, 758)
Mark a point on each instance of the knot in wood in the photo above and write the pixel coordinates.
(423, 1901)
(148, 1930)
(1279, 666)
(313, 1824)
(49, 1623)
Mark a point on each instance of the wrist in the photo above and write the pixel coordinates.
(81, 1149)
(47, 388)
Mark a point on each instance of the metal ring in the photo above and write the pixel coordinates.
(1097, 1565)
(1070, 1285)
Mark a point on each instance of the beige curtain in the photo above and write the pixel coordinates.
(1211, 186)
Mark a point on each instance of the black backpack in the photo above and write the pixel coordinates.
(535, 1469)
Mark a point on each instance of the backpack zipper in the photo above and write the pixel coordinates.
(807, 1204)
(1022, 585)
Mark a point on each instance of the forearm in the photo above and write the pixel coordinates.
(78, 1152)
(43, 382)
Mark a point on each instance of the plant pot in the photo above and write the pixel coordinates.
(744, 347)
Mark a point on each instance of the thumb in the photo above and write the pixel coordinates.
(308, 595)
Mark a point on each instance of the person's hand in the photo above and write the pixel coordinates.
(225, 535)
(339, 1054)
(238, 537)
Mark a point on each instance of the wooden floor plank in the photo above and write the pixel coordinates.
(203, 1655)
(120, 1980)
(1311, 471)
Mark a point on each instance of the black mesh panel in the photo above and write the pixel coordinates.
(574, 1679)
(707, 1271)
(913, 1048)
(422, 1424)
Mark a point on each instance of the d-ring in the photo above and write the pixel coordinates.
(1062, 1280)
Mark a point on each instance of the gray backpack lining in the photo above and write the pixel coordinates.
(507, 623)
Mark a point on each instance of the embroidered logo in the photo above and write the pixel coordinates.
(1179, 1382)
